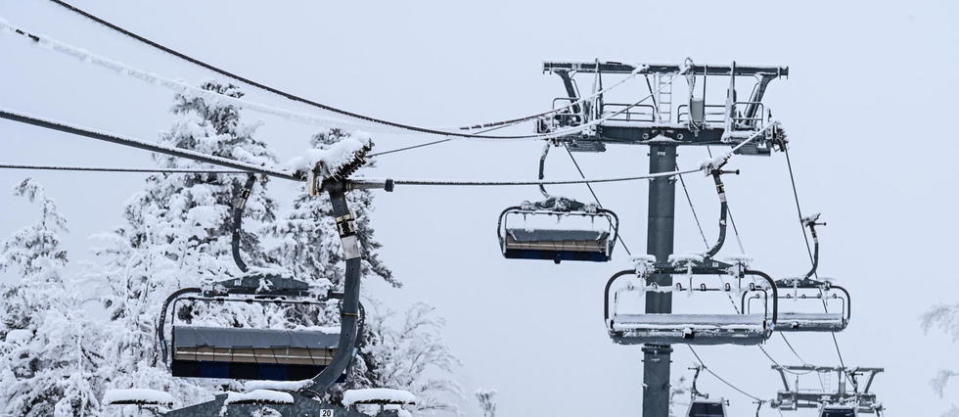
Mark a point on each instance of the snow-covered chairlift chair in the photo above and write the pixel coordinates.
(246, 353)
(557, 243)
(692, 329)
(820, 299)
(838, 411)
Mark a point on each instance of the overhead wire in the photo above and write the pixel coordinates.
(619, 236)
(152, 147)
(300, 99)
(122, 170)
(250, 168)
(423, 145)
(181, 87)
(720, 378)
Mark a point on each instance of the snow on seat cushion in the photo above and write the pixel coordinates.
(189, 336)
(830, 317)
(548, 235)
(623, 322)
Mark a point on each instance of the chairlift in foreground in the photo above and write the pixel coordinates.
(245, 353)
(557, 243)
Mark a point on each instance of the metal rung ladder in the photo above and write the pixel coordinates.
(664, 97)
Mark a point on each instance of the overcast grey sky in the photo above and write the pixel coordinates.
(867, 107)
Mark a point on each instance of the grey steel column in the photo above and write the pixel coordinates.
(659, 242)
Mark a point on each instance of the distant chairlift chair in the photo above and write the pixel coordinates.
(692, 329)
(700, 405)
(838, 411)
(557, 243)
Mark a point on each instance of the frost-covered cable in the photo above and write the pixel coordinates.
(372, 182)
(123, 170)
(423, 145)
(250, 168)
(265, 87)
(177, 86)
(720, 378)
(140, 144)
(619, 236)
(639, 69)
(181, 87)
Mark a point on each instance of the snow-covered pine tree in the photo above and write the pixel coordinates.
(48, 349)
(487, 402)
(409, 355)
(944, 318)
(176, 234)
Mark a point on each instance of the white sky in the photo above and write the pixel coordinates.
(867, 107)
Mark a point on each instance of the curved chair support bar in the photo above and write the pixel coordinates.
(161, 338)
(723, 214)
(542, 169)
(772, 285)
(815, 241)
(238, 221)
(848, 301)
(609, 284)
(349, 309)
(501, 222)
(614, 220)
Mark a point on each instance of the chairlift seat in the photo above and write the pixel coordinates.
(810, 322)
(694, 329)
(558, 245)
(257, 354)
(838, 412)
(701, 408)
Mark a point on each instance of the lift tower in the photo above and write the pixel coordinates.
(664, 124)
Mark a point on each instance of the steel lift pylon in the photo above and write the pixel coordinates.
(839, 403)
(655, 122)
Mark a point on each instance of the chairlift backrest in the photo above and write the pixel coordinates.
(812, 306)
(838, 412)
(247, 353)
(700, 408)
(557, 243)
(726, 327)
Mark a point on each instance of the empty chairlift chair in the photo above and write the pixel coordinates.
(706, 408)
(687, 328)
(247, 353)
(700, 405)
(838, 411)
(557, 243)
(812, 306)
